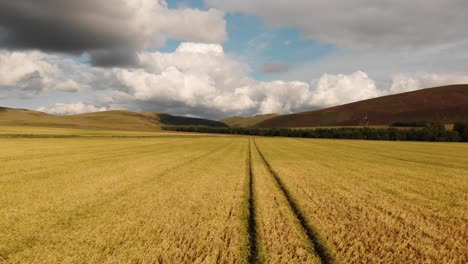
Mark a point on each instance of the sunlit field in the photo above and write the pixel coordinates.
(187, 198)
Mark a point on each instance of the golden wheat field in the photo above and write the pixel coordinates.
(186, 198)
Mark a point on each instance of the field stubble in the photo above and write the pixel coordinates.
(375, 209)
(199, 199)
(138, 202)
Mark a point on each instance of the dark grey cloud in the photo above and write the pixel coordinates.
(111, 31)
(65, 26)
(275, 67)
(117, 57)
(363, 24)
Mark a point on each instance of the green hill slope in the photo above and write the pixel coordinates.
(243, 121)
(114, 120)
(111, 120)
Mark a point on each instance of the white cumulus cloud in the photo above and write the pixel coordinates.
(71, 109)
(21, 66)
(32, 72)
(195, 79)
(69, 86)
(203, 76)
(405, 83)
(339, 89)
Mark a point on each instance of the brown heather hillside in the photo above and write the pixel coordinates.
(113, 120)
(447, 104)
(246, 121)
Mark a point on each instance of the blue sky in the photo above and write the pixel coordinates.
(251, 39)
(256, 43)
(199, 4)
(249, 36)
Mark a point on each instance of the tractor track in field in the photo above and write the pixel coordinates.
(251, 222)
(320, 248)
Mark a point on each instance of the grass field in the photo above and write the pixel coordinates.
(126, 197)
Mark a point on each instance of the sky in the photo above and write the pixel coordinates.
(221, 58)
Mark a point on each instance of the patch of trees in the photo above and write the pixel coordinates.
(430, 132)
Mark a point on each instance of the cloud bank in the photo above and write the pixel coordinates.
(362, 24)
(71, 109)
(197, 79)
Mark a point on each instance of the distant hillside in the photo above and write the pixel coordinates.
(167, 119)
(113, 120)
(242, 121)
(447, 104)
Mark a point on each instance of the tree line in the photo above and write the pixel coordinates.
(411, 124)
(430, 132)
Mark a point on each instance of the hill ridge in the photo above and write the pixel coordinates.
(112, 119)
(447, 104)
(247, 121)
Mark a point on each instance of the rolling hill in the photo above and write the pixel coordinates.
(446, 104)
(113, 120)
(243, 121)
(167, 119)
